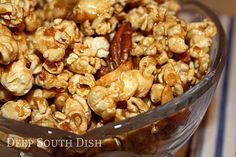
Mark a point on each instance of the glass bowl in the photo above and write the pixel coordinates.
(159, 132)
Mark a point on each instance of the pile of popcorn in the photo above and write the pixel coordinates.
(77, 65)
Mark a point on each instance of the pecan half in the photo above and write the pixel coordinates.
(120, 48)
(121, 44)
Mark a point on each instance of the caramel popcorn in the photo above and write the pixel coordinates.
(101, 25)
(60, 99)
(101, 103)
(78, 115)
(167, 95)
(35, 63)
(14, 12)
(175, 31)
(17, 110)
(5, 95)
(172, 6)
(137, 105)
(54, 67)
(138, 86)
(41, 93)
(53, 40)
(8, 47)
(57, 8)
(146, 62)
(81, 85)
(34, 20)
(88, 9)
(177, 45)
(143, 46)
(17, 78)
(77, 65)
(94, 47)
(145, 17)
(200, 36)
(48, 121)
(130, 83)
(156, 92)
(41, 109)
(84, 64)
(114, 75)
(49, 81)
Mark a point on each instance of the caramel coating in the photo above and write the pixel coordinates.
(53, 40)
(77, 115)
(17, 78)
(90, 9)
(14, 12)
(17, 110)
(8, 47)
(81, 85)
(100, 102)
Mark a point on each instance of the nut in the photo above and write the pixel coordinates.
(121, 44)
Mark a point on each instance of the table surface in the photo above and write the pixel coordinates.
(216, 136)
